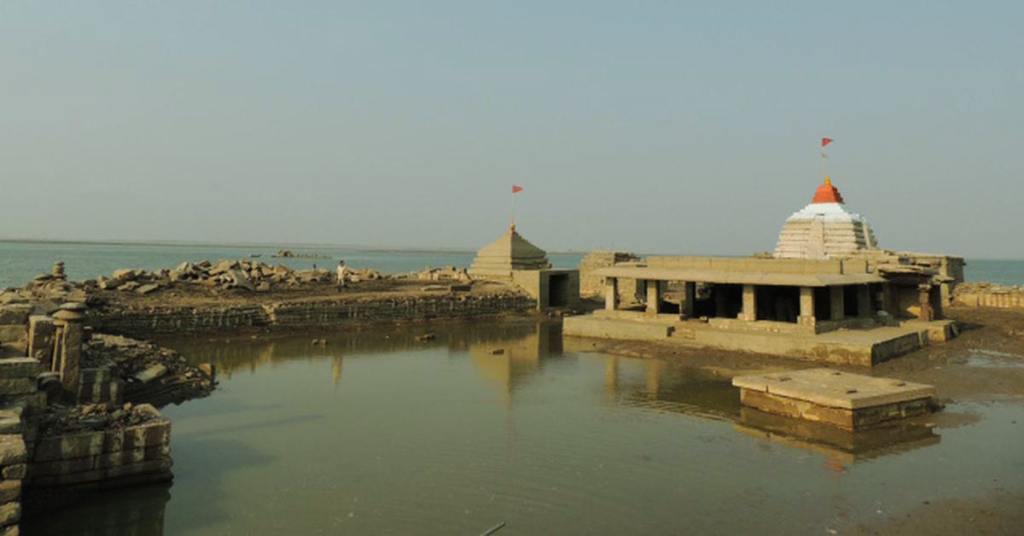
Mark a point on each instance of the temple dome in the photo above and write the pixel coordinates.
(510, 252)
(824, 229)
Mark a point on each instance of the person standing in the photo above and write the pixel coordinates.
(342, 275)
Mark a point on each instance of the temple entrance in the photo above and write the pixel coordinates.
(558, 290)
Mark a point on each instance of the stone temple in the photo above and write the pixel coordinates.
(824, 229)
(513, 259)
(828, 294)
(499, 259)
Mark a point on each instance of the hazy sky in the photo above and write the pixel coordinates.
(645, 126)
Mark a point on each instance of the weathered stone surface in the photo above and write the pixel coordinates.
(12, 332)
(124, 274)
(122, 457)
(20, 367)
(62, 467)
(15, 472)
(17, 387)
(238, 279)
(10, 513)
(146, 289)
(12, 450)
(15, 313)
(10, 490)
(151, 373)
(77, 445)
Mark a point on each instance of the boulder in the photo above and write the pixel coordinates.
(124, 274)
(146, 289)
(238, 279)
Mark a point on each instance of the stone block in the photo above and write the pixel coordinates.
(157, 452)
(16, 387)
(62, 467)
(15, 472)
(10, 530)
(12, 450)
(10, 513)
(15, 313)
(151, 434)
(12, 332)
(20, 367)
(155, 466)
(70, 446)
(10, 490)
(121, 457)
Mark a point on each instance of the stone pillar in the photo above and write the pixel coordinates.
(838, 301)
(807, 317)
(41, 331)
(890, 301)
(686, 308)
(611, 293)
(925, 303)
(749, 303)
(653, 297)
(69, 321)
(864, 301)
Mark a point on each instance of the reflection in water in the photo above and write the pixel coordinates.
(120, 512)
(378, 432)
(840, 446)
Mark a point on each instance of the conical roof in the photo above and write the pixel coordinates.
(824, 229)
(510, 252)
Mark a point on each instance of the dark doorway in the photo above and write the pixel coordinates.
(558, 290)
(823, 303)
(780, 304)
(850, 304)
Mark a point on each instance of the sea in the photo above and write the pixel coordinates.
(22, 261)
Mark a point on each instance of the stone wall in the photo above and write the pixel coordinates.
(143, 322)
(13, 458)
(972, 295)
(593, 285)
(105, 458)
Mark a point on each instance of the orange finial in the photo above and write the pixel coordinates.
(512, 226)
(828, 181)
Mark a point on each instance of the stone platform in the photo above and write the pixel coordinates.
(848, 401)
(859, 347)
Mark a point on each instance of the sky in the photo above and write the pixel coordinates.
(674, 127)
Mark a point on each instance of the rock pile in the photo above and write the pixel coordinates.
(249, 275)
(448, 273)
(151, 374)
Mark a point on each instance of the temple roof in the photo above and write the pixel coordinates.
(824, 229)
(827, 193)
(510, 252)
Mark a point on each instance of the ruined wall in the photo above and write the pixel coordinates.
(593, 285)
(105, 458)
(303, 314)
(988, 295)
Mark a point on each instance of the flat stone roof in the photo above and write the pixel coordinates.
(834, 388)
(737, 277)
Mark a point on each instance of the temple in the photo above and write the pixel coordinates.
(828, 294)
(513, 259)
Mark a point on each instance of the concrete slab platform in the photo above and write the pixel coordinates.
(849, 401)
(834, 388)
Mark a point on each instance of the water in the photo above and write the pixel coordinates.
(21, 261)
(492, 422)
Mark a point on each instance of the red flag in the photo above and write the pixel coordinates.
(516, 189)
(825, 141)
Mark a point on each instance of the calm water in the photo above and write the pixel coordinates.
(20, 262)
(379, 434)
